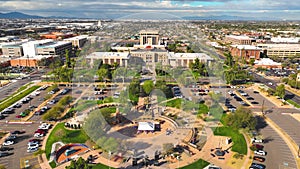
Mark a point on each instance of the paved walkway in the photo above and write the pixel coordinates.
(99, 159)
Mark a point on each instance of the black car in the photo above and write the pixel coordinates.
(4, 154)
(18, 132)
(254, 102)
(6, 148)
(250, 98)
(18, 105)
(256, 92)
(2, 117)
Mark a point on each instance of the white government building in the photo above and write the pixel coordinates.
(151, 52)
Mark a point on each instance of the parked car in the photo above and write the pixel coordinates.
(256, 92)
(258, 146)
(260, 159)
(255, 140)
(41, 131)
(34, 149)
(45, 125)
(18, 105)
(35, 140)
(38, 135)
(32, 145)
(4, 148)
(257, 166)
(8, 142)
(11, 137)
(260, 152)
(3, 154)
(18, 132)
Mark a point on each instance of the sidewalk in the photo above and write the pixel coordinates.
(99, 159)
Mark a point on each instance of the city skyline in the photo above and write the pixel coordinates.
(116, 9)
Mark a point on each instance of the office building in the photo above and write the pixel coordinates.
(110, 57)
(54, 48)
(238, 40)
(245, 51)
(281, 50)
(28, 61)
(149, 37)
(77, 41)
(12, 50)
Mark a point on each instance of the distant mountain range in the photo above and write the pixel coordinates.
(19, 15)
(227, 18)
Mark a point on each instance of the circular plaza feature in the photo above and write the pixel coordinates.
(69, 152)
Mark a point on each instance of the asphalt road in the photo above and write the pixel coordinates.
(278, 153)
(12, 87)
(36, 101)
(288, 95)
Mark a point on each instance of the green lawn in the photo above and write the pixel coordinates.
(13, 100)
(174, 103)
(60, 133)
(293, 103)
(203, 108)
(101, 166)
(200, 164)
(239, 142)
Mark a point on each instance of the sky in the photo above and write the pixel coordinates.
(155, 9)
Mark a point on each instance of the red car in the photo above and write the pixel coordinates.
(40, 131)
(18, 116)
(258, 146)
(34, 140)
(260, 159)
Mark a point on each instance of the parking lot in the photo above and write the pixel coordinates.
(20, 146)
(20, 143)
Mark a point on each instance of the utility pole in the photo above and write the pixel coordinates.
(262, 107)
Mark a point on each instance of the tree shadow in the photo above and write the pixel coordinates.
(268, 139)
(261, 123)
(289, 96)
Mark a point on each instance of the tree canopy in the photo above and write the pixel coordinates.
(242, 118)
(148, 86)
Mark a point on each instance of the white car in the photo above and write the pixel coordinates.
(260, 152)
(32, 145)
(36, 93)
(254, 140)
(44, 126)
(8, 142)
(30, 150)
(38, 135)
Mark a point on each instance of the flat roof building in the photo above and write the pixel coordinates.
(28, 61)
(55, 48)
(267, 63)
(110, 57)
(245, 51)
(77, 41)
(238, 40)
(281, 50)
(184, 59)
(149, 37)
(12, 50)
